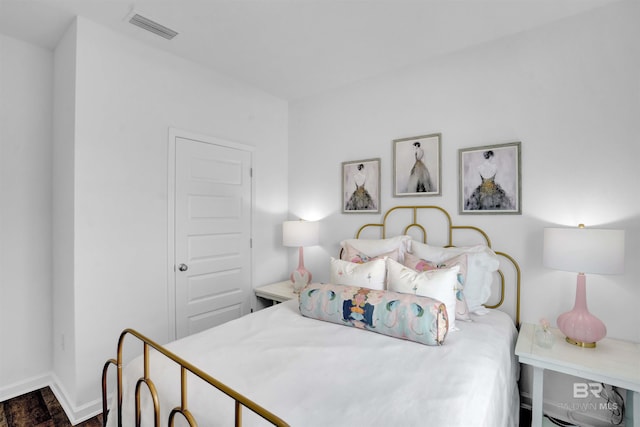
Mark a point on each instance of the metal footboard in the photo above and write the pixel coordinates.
(185, 369)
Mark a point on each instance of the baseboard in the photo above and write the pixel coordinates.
(525, 400)
(23, 387)
(76, 414)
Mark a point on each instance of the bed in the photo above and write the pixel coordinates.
(282, 366)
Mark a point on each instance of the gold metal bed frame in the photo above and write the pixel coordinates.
(182, 409)
(240, 400)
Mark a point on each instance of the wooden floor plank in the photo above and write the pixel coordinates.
(39, 408)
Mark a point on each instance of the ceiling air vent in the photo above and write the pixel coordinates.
(149, 25)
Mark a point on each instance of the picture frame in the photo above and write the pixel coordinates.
(361, 186)
(490, 179)
(417, 167)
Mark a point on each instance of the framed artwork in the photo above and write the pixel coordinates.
(361, 186)
(490, 179)
(416, 166)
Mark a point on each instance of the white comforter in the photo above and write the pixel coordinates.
(314, 373)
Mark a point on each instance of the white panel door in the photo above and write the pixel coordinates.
(212, 234)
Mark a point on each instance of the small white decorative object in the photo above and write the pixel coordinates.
(300, 280)
(544, 336)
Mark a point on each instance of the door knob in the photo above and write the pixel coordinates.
(183, 267)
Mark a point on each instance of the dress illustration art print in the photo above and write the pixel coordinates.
(489, 195)
(490, 179)
(361, 186)
(419, 178)
(417, 166)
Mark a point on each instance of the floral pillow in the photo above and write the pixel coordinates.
(418, 264)
(482, 263)
(352, 254)
(439, 284)
(404, 316)
(377, 247)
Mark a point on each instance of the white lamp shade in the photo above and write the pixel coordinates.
(584, 250)
(300, 233)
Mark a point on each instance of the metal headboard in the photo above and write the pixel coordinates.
(414, 224)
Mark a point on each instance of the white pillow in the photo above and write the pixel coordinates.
(377, 247)
(368, 275)
(482, 263)
(351, 254)
(437, 284)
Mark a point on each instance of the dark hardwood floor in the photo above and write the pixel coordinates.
(39, 408)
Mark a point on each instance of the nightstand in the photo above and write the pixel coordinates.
(276, 292)
(612, 362)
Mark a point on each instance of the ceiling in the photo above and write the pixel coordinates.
(297, 48)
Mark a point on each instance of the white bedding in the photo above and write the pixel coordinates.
(313, 373)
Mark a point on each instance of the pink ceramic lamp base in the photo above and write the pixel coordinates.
(300, 277)
(578, 325)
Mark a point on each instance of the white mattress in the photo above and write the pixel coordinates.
(313, 373)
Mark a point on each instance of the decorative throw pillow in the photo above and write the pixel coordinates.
(439, 284)
(377, 247)
(415, 263)
(368, 275)
(405, 316)
(352, 254)
(482, 263)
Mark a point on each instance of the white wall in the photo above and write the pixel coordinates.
(63, 160)
(570, 92)
(126, 98)
(26, 90)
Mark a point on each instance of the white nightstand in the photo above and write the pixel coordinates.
(613, 362)
(277, 292)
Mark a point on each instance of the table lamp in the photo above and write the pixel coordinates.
(583, 250)
(299, 234)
